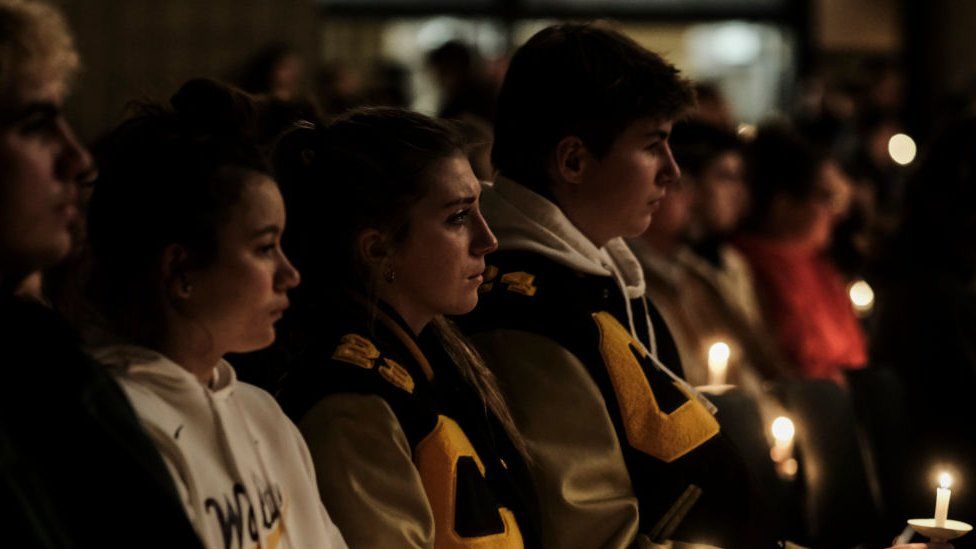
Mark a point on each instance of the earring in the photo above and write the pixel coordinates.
(185, 284)
(389, 275)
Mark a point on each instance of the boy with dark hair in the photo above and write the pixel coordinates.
(76, 470)
(621, 447)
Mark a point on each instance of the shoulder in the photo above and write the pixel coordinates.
(526, 290)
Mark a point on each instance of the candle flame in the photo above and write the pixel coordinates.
(945, 480)
(862, 296)
(783, 429)
(718, 355)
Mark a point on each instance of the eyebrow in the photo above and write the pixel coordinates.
(462, 200)
(270, 229)
(46, 109)
(659, 134)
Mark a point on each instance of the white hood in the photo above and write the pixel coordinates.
(230, 450)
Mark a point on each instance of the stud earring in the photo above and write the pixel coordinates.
(389, 275)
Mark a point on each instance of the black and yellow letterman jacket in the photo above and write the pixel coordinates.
(623, 451)
(405, 452)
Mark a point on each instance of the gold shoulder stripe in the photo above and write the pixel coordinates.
(520, 282)
(396, 374)
(666, 436)
(356, 350)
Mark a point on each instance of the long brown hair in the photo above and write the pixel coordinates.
(366, 170)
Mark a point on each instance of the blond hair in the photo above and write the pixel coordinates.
(36, 47)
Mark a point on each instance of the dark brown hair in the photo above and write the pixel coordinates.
(363, 171)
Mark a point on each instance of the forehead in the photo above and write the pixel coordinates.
(452, 178)
(260, 204)
(643, 127)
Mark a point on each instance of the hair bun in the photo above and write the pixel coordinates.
(211, 107)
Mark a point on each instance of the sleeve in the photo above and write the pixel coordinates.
(334, 537)
(578, 471)
(365, 473)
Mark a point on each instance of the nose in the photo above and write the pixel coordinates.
(484, 241)
(670, 173)
(74, 163)
(287, 276)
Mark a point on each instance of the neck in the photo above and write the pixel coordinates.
(192, 349)
(667, 244)
(415, 319)
(589, 223)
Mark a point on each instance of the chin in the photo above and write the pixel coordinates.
(638, 227)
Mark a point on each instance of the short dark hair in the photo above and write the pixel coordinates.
(583, 80)
(696, 144)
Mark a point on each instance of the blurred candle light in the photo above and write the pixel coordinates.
(862, 297)
(782, 451)
(942, 495)
(902, 149)
(746, 131)
(718, 362)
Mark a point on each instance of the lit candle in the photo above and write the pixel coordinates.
(718, 363)
(942, 499)
(782, 450)
(783, 432)
(862, 297)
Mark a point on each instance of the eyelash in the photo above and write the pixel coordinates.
(39, 126)
(459, 218)
(267, 248)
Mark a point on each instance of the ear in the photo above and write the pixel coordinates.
(571, 158)
(173, 265)
(373, 248)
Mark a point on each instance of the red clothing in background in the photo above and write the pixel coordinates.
(806, 306)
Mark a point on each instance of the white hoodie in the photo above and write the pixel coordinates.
(241, 467)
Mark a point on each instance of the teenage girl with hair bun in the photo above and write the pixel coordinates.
(185, 226)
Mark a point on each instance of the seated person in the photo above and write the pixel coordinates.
(798, 195)
(185, 227)
(76, 468)
(412, 443)
(586, 363)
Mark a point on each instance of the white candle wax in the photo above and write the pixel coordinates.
(942, 500)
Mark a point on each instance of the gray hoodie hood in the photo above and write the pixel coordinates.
(525, 221)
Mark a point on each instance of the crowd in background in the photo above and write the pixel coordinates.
(800, 268)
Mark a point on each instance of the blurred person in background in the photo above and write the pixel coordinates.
(461, 78)
(925, 322)
(76, 468)
(798, 195)
(702, 285)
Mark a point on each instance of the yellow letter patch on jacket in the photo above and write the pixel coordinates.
(449, 465)
(356, 350)
(664, 434)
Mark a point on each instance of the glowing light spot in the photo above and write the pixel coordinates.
(902, 149)
(783, 430)
(945, 480)
(862, 296)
